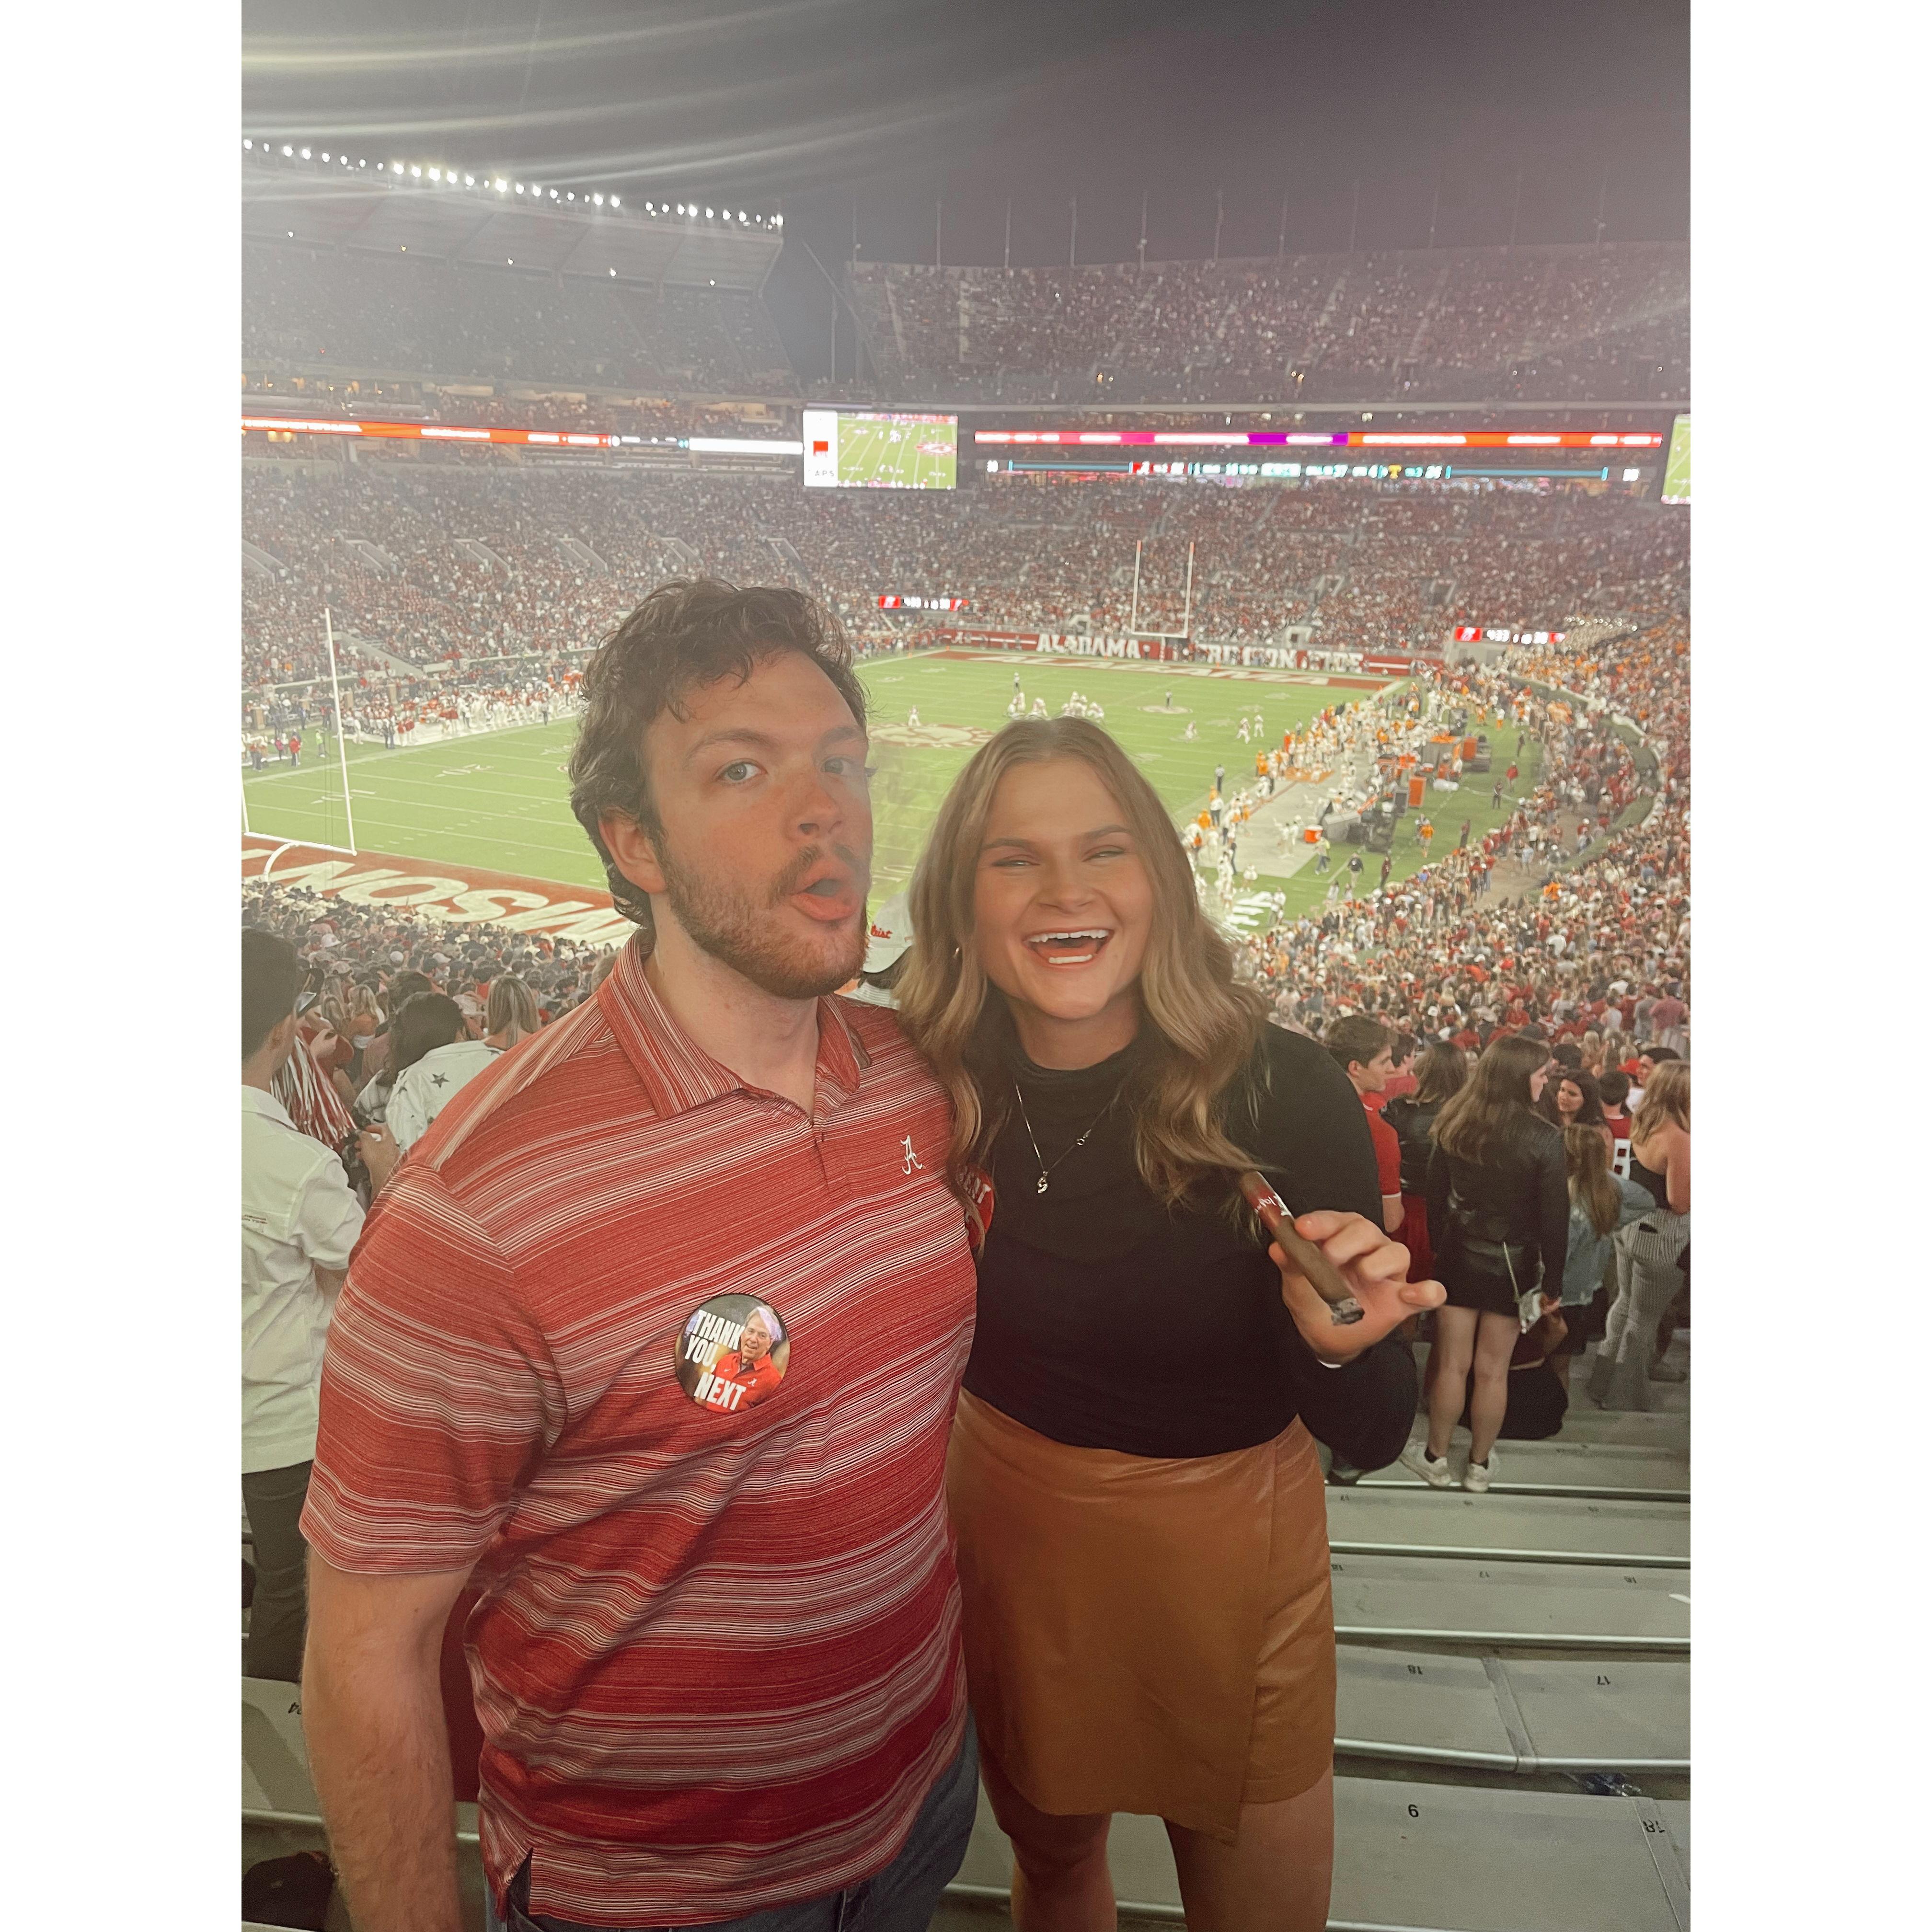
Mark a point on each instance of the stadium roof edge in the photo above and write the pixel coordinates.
(357, 215)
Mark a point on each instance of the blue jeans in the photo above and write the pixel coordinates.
(902, 1897)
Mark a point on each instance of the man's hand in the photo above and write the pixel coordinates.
(1375, 1267)
(380, 1153)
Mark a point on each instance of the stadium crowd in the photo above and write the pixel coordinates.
(1436, 956)
(426, 562)
(1475, 324)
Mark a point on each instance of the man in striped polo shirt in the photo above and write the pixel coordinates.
(716, 1659)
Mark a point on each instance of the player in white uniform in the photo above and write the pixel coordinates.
(912, 719)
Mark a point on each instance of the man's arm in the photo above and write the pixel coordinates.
(378, 1751)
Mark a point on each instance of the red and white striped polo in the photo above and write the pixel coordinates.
(717, 1660)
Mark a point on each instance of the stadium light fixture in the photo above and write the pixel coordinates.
(779, 219)
(597, 200)
(615, 202)
(613, 272)
(469, 181)
(325, 153)
(553, 194)
(436, 174)
(416, 173)
(247, 144)
(288, 151)
(741, 215)
(305, 154)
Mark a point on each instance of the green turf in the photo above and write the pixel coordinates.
(499, 800)
(889, 451)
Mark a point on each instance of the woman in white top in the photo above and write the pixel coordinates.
(435, 1059)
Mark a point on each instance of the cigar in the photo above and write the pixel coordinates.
(1321, 1272)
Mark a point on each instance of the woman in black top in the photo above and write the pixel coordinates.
(1499, 1214)
(1442, 1072)
(1138, 1509)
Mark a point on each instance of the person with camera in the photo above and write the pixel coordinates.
(300, 1219)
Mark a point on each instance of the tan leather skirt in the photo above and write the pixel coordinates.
(1144, 1634)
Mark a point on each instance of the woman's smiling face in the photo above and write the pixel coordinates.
(1062, 901)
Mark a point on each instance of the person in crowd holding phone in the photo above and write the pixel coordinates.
(1134, 1491)
(1650, 1253)
(1499, 1214)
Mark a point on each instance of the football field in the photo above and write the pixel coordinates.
(499, 800)
(900, 453)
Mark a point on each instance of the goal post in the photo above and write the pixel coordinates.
(296, 804)
(1185, 635)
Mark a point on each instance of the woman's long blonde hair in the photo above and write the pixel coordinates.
(1204, 1025)
(1592, 1188)
(1666, 1096)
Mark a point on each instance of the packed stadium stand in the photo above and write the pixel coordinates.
(431, 560)
(1455, 324)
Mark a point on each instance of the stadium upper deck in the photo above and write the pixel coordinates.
(401, 281)
(1474, 324)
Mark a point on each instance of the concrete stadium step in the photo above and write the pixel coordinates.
(1454, 1864)
(1517, 1528)
(1434, 1857)
(1614, 1471)
(1562, 1714)
(1629, 1428)
(1420, 1600)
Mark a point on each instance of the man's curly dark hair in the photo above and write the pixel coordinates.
(687, 633)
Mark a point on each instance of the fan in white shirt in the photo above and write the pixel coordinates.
(299, 1221)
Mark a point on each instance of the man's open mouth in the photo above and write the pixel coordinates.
(1079, 946)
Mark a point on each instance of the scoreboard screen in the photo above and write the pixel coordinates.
(867, 449)
(1677, 463)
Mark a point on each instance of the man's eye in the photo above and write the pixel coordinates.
(738, 771)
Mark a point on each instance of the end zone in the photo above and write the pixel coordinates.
(434, 889)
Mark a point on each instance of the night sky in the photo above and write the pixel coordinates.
(1479, 112)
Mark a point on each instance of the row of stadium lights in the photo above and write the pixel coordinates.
(502, 185)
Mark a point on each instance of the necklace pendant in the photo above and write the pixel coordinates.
(1039, 1186)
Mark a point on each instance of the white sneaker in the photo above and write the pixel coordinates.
(1434, 1472)
(1476, 1476)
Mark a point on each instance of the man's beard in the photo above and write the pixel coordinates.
(737, 926)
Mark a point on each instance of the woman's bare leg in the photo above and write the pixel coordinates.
(1455, 1350)
(1060, 1879)
(1274, 1878)
(1495, 1341)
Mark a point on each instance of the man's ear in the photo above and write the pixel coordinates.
(630, 846)
(282, 1037)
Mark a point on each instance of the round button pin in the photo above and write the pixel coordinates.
(732, 1351)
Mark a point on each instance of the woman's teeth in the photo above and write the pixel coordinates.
(1069, 949)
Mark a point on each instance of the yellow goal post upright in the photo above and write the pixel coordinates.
(285, 843)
